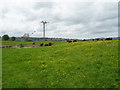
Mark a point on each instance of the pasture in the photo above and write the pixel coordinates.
(82, 64)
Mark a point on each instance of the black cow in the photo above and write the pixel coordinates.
(74, 40)
(84, 40)
(71, 41)
(108, 39)
(42, 44)
(46, 44)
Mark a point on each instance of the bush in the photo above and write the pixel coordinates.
(13, 38)
(5, 37)
(21, 45)
(29, 39)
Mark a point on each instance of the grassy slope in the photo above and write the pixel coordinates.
(0, 68)
(88, 64)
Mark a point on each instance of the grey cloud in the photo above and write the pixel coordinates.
(101, 32)
(3, 32)
(28, 14)
(43, 11)
(4, 11)
(30, 18)
(88, 15)
(40, 5)
(65, 19)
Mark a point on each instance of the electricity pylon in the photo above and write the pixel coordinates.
(44, 22)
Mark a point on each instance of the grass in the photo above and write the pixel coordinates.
(83, 64)
(0, 68)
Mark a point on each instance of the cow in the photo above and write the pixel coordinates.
(108, 39)
(48, 44)
(84, 40)
(5, 46)
(74, 40)
(42, 44)
(71, 41)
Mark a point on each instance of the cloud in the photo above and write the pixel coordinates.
(66, 19)
(41, 5)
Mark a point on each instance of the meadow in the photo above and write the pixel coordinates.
(82, 64)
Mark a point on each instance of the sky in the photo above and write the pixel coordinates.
(66, 19)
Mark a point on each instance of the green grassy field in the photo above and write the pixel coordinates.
(83, 64)
(0, 67)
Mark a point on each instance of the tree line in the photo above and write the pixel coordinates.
(6, 37)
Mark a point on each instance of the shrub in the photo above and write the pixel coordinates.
(29, 39)
(5, 37)
(21, 45)
(13, 38)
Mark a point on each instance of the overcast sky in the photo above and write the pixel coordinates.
(66, 19)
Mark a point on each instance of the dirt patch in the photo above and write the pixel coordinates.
(17, 46)
(7, 46)
(24, 46)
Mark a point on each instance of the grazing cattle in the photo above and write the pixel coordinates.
(74, 40)
(108, 39)
(48, 44)
(10, 46)
(84, 40)
(5, 46)
(71, 41)
(41, 44)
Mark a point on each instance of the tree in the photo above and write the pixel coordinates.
(0, 38)
(26, 37)
(5, 37)
(13, 38)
